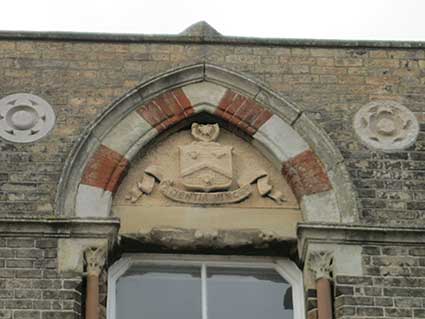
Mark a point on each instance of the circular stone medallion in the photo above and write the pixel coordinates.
(386, 125)
(25, 118)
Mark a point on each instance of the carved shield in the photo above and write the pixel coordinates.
(206, 166)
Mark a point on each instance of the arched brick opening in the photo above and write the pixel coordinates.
(308, 159)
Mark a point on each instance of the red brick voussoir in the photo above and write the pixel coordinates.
(306, 175)
(242, 112)
(105, 169)
(166, 110)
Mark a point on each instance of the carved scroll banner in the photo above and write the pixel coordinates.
(167, 188)
(263, 185)
(200, 198)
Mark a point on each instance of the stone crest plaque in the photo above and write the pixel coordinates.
(204, 169)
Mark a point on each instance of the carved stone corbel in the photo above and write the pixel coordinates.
(321, 264)
(95, 258)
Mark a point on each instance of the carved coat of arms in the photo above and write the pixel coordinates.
(205, 165)
(206, 174)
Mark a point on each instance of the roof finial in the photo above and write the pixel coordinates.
(201, 29)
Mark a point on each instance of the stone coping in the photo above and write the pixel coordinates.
(60, 227)
(356, 234)
(307, 233)
(185, 39)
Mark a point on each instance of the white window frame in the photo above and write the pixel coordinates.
(285, 267)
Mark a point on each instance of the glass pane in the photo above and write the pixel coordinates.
(159, 293)
(248, 294)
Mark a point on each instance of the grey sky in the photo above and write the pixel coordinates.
(331, 19)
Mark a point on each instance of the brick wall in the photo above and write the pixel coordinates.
(30, 286)
(330, 84)
(393, 285)
(80, 80)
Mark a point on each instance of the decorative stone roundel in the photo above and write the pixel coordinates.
(386, 125)
(25, 118)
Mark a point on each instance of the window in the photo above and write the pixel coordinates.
(146, 286)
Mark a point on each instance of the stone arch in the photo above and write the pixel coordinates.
(309, 160)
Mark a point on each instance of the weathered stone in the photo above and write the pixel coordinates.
(320, 207)
(321, 263)
(386, 125)
(93, 201)
(204, 93)
(130, 130)
(273, 132)
(71, 253)
(203, 172)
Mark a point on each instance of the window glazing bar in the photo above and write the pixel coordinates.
(204, 291)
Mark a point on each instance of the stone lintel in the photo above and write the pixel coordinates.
(194, 240)
(355, 234)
